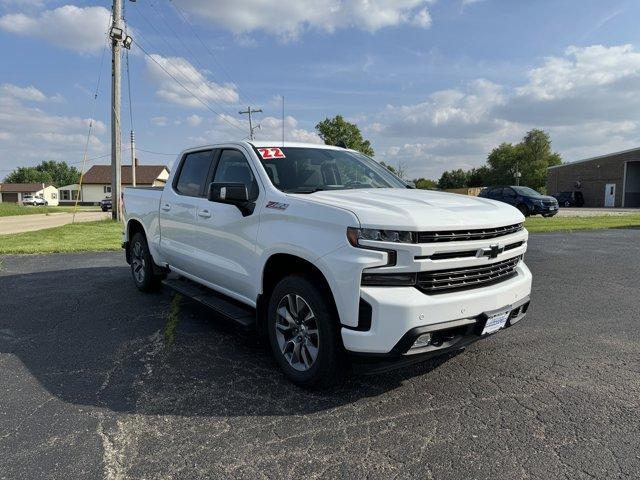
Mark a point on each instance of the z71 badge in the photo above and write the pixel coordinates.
(277, 205)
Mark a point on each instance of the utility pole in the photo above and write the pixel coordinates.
(117, 36)
(251, 111)
(133, 158)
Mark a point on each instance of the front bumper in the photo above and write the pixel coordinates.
(400, 313)
(544, 210)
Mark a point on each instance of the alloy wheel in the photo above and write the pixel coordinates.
(297, 332)
(138, 263)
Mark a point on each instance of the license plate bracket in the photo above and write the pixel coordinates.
(495, 322)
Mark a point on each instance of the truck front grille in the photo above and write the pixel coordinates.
(443, 281)
(462, 235)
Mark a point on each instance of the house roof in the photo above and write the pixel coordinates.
(22, 187)
(145, 174)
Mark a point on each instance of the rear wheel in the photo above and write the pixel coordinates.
(304, 334)
(142, 265)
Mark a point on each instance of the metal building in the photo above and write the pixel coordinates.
(611, 180)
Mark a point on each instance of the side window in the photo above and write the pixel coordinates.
(495, 193)
(234, 168)
(509, 192)
(193, 173)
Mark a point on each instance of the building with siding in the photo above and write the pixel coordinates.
(14, 192)
(611, 180)
(96, 183)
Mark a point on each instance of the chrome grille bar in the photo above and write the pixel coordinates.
(441, 281)
(462, 235)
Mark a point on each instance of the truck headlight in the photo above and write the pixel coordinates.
(396, 236)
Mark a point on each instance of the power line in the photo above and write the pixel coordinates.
(176, 53)
(205, 104)
(207, 49)
(186, 47)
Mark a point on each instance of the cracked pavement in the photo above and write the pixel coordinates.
(89, 389)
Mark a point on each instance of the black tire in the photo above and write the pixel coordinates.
(328, 367)
(524, 210)
(142, 270)
(104, 209)
(567, 203)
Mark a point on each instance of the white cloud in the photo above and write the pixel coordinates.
(193, 79)
(288, 18)
(449, 113)
(29, 94)
(271, 129)
(160, 121)
(32, 134)
(587, 99)
(194, 120)
(76, 28)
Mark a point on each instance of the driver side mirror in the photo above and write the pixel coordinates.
(233, 194)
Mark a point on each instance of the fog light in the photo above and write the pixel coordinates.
(422, 341)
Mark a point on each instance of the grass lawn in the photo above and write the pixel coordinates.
(10, 209)
(79, 237)
(569, 224)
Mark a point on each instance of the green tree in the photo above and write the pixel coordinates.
(531, 158)
(57, 173)
(336, 131)
(389, 167)
(425, 184)
(453, 179)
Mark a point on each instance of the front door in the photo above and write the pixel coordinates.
(226, 238)
(610, 195)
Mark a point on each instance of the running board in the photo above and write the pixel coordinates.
(229, 309)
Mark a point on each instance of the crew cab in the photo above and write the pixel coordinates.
(334, 259)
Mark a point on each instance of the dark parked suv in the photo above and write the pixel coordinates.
(525, 199)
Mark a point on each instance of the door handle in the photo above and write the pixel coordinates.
(166, 207)
(204, 214)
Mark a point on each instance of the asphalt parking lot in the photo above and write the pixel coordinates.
(89, 389)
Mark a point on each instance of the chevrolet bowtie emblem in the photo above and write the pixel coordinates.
(492, 252)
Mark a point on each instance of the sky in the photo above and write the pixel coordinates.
(434, 84)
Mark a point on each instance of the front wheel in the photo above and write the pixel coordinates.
(304, 333)
(142, 265)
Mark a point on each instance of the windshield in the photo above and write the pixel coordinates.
(308, 170)
(527, 191)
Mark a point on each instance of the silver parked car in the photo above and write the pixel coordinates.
(33, 200)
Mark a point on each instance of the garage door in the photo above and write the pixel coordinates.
(10, 197)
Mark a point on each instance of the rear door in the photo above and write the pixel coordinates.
(179, 206)
(227, 238)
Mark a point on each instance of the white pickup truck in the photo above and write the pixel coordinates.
(336, 260)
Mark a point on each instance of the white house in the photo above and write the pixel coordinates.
(96, 183)
(14, 192)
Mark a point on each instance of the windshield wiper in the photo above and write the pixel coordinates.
(306, 190)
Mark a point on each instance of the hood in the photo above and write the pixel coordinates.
(412, 209)
(545, 198)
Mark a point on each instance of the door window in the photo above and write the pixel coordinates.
(234, 168)
(193, 174)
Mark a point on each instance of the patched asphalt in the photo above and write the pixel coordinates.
(91, 390)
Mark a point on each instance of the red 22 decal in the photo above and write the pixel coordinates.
(273, 152)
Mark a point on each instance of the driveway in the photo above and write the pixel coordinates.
(29, 223)
(91, 390)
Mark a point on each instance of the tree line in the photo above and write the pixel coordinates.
(527, 159)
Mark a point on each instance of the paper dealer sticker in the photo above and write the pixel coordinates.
(271, 152)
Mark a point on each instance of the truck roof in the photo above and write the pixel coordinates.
(268, 143)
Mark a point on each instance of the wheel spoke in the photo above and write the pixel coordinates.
(296, 331)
